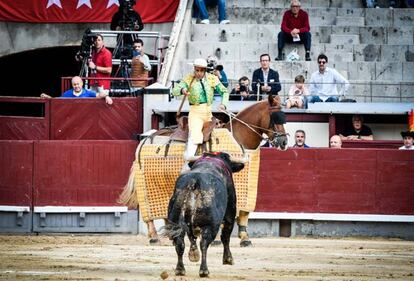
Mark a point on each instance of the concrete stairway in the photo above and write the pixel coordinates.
(371, 47)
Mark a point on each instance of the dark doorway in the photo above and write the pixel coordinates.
(32, 72)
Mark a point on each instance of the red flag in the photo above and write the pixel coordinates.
(411, 120)
(74, 11)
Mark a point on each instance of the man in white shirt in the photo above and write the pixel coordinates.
(408, 139)
(323, 83)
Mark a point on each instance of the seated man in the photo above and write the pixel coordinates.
(358, 131)
(408, 138)
(294, 28)
(300, 138)
(335, 142)
(323, 83)
(78, 91)
(242, 90)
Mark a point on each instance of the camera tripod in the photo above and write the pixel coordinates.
(123, 71)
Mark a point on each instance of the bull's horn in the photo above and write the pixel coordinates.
(243, 160)
(192, 158)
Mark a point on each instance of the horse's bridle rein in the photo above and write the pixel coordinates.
(254, 127)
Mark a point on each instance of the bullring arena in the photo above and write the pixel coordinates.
(314, 214)
(128, 257)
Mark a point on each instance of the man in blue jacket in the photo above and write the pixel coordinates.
(267, 77)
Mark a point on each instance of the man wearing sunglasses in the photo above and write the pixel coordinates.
(323, 83)
(294, 29)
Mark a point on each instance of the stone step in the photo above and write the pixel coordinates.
(403, 35)
(286, 3)
(318, 16)
(338, 39)
(349, 21)
(251, 51)
(364, 71)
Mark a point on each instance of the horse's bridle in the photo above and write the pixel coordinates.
(254, 127)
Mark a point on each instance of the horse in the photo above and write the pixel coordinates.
(248, 128)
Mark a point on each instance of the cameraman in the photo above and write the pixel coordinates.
(127, 19)
(100, 65)
(242, 91)
(218, 70)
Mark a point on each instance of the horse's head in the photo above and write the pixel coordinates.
(277, 135)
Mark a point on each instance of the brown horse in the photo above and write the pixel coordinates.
(248, 127)
(263, 117)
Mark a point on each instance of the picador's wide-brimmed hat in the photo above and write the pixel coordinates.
(407, 134)
(200, 63)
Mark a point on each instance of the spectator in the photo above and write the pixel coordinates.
(242, 90)
(358, 131)
(335, 142)
(300, 139)
(200, 10)
(374, 4)
(140, 64)
(100, 65)
(78, 91)
(323, 83)
(297, 93)
(199, 87)
(294, 28)
(408, 138)
(266, 77)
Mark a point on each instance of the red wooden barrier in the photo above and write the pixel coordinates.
(24, 118)
(16, 172)
(352, 181)
(81, 173)
(76, 119)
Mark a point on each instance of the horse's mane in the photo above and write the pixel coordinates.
(257, 106)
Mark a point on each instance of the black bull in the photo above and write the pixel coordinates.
(203, 199)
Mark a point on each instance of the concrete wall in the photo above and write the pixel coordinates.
(20, 37)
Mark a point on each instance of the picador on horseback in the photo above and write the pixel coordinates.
(199, 88)
(161, 157)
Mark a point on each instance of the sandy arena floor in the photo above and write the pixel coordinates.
(128, 257)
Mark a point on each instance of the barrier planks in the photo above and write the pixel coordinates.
(347, 181)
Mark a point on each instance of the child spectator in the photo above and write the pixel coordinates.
(297, 93)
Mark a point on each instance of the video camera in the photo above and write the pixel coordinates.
(242, 88)
(88, 40)
(211, 66)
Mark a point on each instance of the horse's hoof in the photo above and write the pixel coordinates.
(154, 241)
(228, 260)
(203, 273)
(216, 243)
(246, 243)
(180, 272)
(194, 255)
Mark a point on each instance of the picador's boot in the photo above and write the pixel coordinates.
(152, 234)
(242, 224)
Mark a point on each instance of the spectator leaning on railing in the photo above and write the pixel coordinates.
(78, 91)
(359, 131)
(323, 83)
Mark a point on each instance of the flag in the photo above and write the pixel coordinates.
(83, 11)
(411, 120)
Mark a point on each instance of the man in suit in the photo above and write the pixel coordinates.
(267, 77)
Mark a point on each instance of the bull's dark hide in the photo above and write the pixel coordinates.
(204, 197)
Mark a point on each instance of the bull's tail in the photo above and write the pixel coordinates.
(129, 196)
(175, 229)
